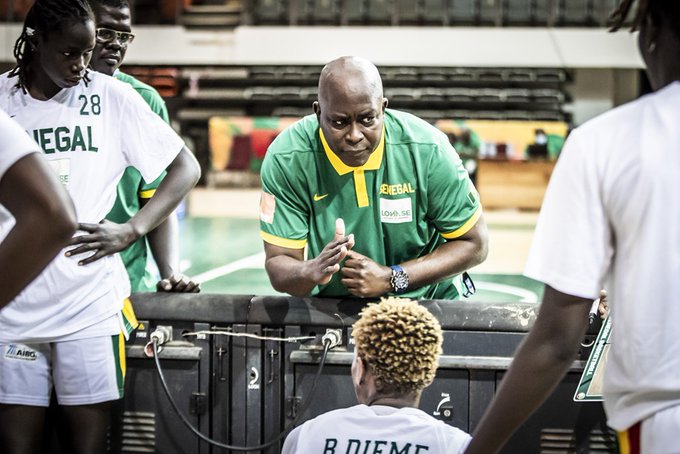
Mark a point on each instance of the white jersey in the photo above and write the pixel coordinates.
(89, 134)
(378, 428)
(611, 219)
(14, 145)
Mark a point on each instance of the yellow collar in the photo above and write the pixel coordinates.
(373, 163)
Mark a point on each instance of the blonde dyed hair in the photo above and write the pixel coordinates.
(400, 342)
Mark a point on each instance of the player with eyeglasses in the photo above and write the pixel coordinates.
(107, 35)
(113, 35)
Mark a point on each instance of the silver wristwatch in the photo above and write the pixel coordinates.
(399, 280)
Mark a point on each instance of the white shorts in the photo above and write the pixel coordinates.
(657, 434)
(82, 371)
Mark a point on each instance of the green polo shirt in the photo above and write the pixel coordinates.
(131, 189)
(411, 196)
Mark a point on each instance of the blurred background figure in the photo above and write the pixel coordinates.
(114, 35)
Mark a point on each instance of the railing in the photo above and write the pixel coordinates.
(234, 378)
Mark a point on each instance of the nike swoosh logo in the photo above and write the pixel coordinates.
(319, 197)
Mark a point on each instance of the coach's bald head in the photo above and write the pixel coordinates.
(350, 76)
(350, 108)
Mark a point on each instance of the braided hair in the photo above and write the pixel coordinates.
(45, 17)
(112, 3)
(668, 9)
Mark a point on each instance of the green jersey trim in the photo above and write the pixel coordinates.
(118, 346)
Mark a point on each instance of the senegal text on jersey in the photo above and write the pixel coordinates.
(390, 189)
(63, 139)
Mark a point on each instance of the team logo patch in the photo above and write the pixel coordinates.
(267, 207)
(396, 211)
(22, 352)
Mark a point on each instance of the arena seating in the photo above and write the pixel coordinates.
(227, 14)
(539, 13)
(432, 93)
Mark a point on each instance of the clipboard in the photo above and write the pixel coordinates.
(589, 387)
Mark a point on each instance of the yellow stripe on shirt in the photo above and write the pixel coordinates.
(465, 228)
(282, 242)
(360, 188)
(147, 194)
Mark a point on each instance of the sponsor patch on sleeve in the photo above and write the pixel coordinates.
(267, 207)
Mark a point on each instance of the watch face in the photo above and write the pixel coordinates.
(399, 281)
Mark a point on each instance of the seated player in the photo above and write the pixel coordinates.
(398, 343)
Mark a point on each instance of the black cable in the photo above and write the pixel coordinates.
(186, 422)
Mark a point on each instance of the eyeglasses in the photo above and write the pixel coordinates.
(106, 35)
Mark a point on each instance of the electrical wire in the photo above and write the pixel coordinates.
(327, 346)
(251, 335)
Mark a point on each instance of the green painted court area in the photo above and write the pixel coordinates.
(226, 256)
